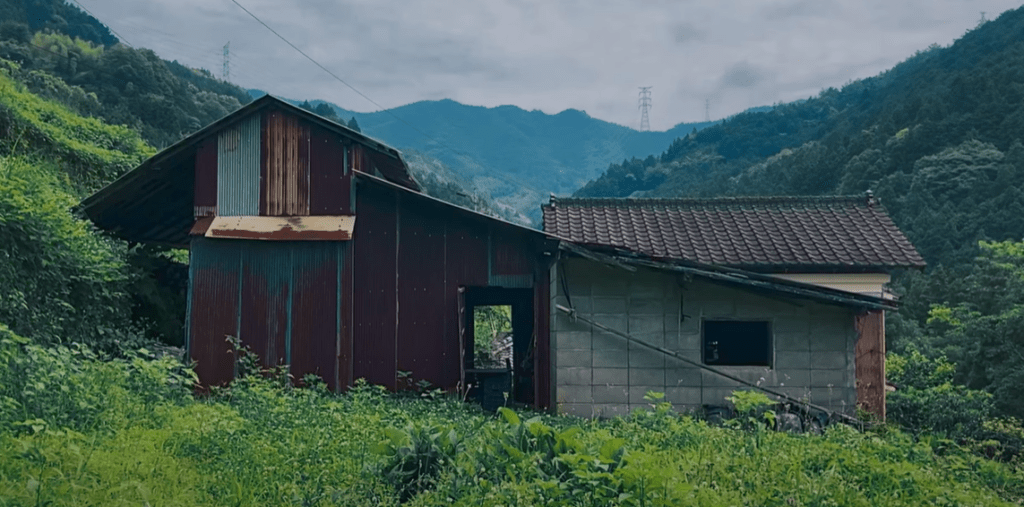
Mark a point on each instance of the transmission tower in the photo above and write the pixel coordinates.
(226, 73)
(707, 110)
(644, 104)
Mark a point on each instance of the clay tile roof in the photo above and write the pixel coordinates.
(758, 233)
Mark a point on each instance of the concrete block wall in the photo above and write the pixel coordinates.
(598, 374)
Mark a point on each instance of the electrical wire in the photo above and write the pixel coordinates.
(353, 88)
(80, 6)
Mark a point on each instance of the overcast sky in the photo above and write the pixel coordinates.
(549, 54)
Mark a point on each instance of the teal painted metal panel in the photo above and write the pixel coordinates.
(266, 296)
(238, 168)
(213, 307)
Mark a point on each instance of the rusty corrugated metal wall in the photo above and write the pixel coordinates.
(410, 256)
(280, 298)
(238, 168)
(285, 165)
(329, 187)
(213, 299)
(375, 283)
(205, 203)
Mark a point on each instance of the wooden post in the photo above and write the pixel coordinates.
(870, 362)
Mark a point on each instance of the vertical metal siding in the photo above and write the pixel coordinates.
(329, 185)
(238, 168)
(511, 262)
(542, 337)
(314, 317)
(213, 308)
(421, 294)
(265, 299)
(465, 266)
(345, 311)
(205, 190)
(374, 302)
(286, 173)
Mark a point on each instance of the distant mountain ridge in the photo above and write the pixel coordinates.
(517, 157)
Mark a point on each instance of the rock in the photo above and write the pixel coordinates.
(789, 422)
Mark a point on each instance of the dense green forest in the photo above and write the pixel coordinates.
(97, 409)
(938, 140)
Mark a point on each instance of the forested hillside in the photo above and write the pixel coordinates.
(938, 140)
(56, 46)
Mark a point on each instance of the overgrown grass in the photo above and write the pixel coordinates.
(76, 430)
(91, 152)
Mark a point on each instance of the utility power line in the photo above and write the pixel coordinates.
(342, 81)
(119, 36)
(644, 104)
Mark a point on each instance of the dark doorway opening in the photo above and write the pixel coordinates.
(510, 371)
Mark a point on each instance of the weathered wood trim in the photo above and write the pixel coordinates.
(870, 362)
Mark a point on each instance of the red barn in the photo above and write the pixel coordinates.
(313, 245)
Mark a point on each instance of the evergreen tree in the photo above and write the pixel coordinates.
(354, 125)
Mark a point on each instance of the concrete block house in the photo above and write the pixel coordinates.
(315, 247)
(787, 293)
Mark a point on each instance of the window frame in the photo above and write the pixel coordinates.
(769, 346)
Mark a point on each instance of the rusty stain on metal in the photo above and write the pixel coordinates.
(286, 165)
(318, 228)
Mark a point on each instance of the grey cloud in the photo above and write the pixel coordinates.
(799, 9)
(742, 75)
(686, 32)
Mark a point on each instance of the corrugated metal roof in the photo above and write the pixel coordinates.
(323, 228)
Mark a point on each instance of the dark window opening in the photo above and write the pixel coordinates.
(737, 342)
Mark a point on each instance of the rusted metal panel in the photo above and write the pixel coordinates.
(345, 299)
(314, 315)
(511, 259)
(214, 297)
(320, 228)
(205, 190)
(869, 362)
(329, 184)
(238, 168)
(461, 325)
(542, 337)
(375, 287)
(357, 159)
(285, 189)
(265, 299)
(465, 266)
(421, 296)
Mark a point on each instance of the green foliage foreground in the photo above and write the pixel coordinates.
(76, 430)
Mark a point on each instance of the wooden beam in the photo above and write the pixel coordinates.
(870, 362)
